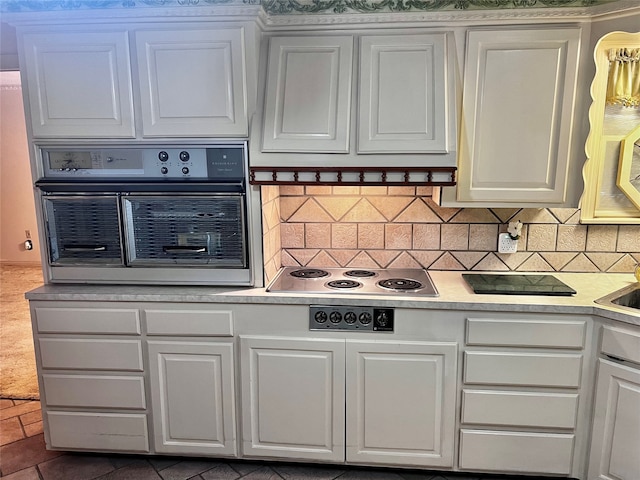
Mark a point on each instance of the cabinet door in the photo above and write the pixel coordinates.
(192, 82)
(192, 397)
(403, 101)
(517, 112)
(293, 398)
(79, 84)
(401, 402)
(308, 94)
(615, 441)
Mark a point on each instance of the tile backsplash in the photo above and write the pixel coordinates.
(387, 227)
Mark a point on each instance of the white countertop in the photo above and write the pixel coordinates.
(454, 294)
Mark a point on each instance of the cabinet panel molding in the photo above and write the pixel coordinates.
(293, 397)
(530, 369)
(308, 94)
(98, 431)
(87, 320)
(403, 98)
(91, 354)
(193, 398)
(189, 322)
(401, 402)
(79, 84)
(208, 67)
(94, 391)
(516, 451)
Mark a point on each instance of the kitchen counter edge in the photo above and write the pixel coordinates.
(454, 294)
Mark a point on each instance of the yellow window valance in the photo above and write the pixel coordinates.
(624, 77)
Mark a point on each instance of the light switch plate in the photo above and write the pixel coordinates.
(506, 244)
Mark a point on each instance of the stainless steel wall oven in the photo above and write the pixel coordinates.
(156, 215)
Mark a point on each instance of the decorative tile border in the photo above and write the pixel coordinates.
(403, 227)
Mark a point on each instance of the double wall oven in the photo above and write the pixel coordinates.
(169, 214)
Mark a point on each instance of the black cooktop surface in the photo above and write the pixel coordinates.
(517, 284)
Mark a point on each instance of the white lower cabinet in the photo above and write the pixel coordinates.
(399, 396)
(615, 440)
(192, 394)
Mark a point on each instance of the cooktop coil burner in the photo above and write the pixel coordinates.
(309, 273)
(343, 284)
(360, 273)
(354, 281)
(400, 284)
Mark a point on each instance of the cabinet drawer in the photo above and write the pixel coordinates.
(623, 344)
(516, 451)
(526, 333)
(98, 431)
(532, 369)
(519, 409)
(94, 391)
(91, 354)
(189, 322)
(87, 320)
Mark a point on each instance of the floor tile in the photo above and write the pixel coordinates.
(20, 402)
(363, 474)
(33, 429)
(27, 474)
(304, 472)
(263, 473)
(245, 468)
(18, 410)
(24, 453)
(138, 470)
(31, 417)
(10, 431)
(5, 403)
(75, 467)
(222, 472)
(160, 463)
(119, 461)
(187, 469)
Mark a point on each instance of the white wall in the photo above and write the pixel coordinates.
(17, 208)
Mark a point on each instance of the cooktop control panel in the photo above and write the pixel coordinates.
(368, 319)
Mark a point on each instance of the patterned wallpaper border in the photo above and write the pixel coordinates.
(287, 7)
(403, 227)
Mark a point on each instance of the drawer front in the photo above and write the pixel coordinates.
(519, 409)
(94, 391)
(623, 344)
(523, 333)
(87, 320)
(526, 369)
(189, 322)
(98, 431)
(91, 354)
(516, 451)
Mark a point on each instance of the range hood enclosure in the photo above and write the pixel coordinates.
(374, 99)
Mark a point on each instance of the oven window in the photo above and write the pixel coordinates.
(83, 230)
(186, 230)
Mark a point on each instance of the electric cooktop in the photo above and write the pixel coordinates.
(392, 281)
(517, 284)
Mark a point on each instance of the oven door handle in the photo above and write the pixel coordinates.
(85, 248)
(184, 249)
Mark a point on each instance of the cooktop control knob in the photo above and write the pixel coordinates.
(350, 317)
(382, 319)
(185, 170)
(335, 317)
(320, 316)
(163, 156)
(365, 318)
(164, 170)
(184, 156)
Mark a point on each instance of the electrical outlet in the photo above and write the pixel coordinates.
(506, 244)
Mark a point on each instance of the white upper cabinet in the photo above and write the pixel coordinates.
(192, 82)
(365, 97)
(308, 94)
(79, 84)
(517, 115)
(402, 100)
(181, 80)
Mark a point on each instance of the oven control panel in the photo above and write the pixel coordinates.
(368, 319)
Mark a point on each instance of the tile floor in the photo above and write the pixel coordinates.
(23, 457)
